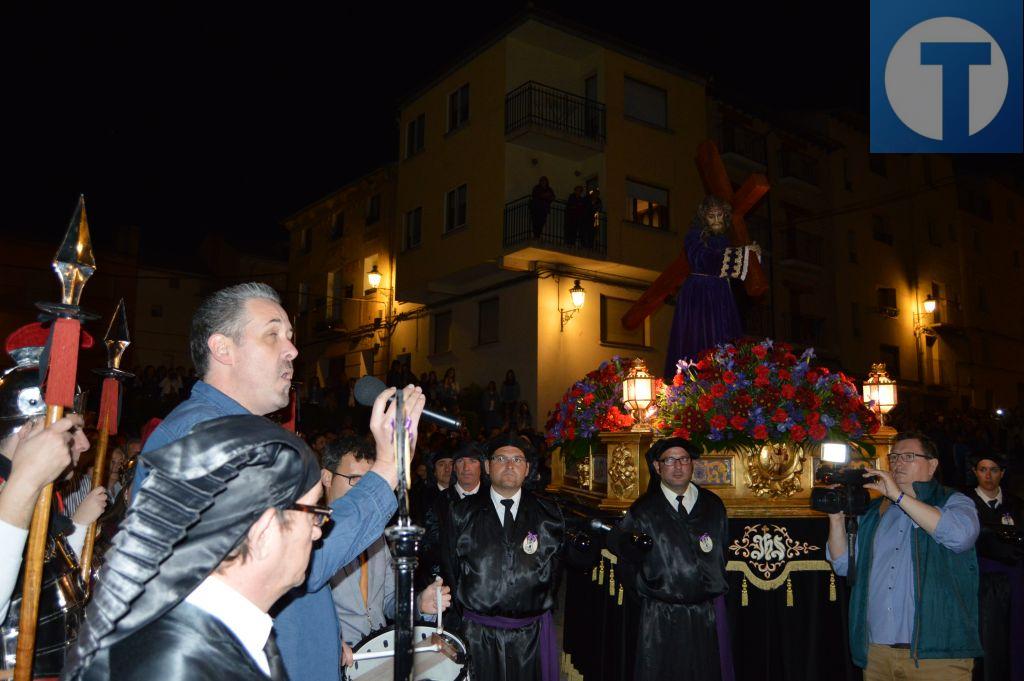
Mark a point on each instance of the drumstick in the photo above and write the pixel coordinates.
(376, 655)
(440, 625)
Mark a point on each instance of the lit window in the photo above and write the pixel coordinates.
(647, 205)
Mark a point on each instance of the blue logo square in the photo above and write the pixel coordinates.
(946, 76)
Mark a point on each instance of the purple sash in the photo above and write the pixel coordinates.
(548, 644)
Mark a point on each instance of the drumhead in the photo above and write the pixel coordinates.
(427, 666)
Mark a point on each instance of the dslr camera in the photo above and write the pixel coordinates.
(848, 496)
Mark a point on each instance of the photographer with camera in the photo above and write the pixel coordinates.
(914, 604)
(1001, 582)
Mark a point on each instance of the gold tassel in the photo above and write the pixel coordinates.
(600, 573)
(744, 601)
(789, 592)
(832, 586)
(593, 574)
(611, 582)
(620, 594)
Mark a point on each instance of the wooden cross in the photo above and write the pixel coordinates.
(716, 182)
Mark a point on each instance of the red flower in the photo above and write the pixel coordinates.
(762, 371)
(760, 351)
(798, 433)
(812, 376)
(812, 418)
(731, 350)
(761, 382)
(681, 432)
(780, 415)
(761, 432)
(788, 391)
(744, 401)
(784, 375)
(702, 365)
(729, 377)
(718, 389)
(705, 402)
(818, 432)
(789, 359)
(737, 422)
(718, 421)
(588, 399)
(677, 380)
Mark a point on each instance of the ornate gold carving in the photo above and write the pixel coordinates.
(623, 476)
(774, 470)
(583, 474)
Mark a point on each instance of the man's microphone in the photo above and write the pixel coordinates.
(368, 387)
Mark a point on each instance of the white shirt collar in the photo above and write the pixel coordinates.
(986, 498)
(250, 625)
(496, 499)
(689, 496)
(439, 488)
(464, 493)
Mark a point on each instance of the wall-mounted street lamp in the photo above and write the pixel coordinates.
(881, 390)
(929, 304)
(578, 295)
(374, 276)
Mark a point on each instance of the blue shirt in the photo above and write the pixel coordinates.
(891, 581)
(205, 403)
(307, 628)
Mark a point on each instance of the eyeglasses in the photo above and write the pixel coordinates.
(503, 460)
(675, 461)
(321, 514)
(352, 479)
(906, 457)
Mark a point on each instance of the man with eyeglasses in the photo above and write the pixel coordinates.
(1001, 582)
(502, 554)
(680, 577)
(914, 605)
(364, 590)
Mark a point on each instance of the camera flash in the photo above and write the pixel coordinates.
(833, 452)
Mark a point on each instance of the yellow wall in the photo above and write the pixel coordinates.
(473, 155)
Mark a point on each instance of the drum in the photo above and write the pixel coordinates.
(441, 657)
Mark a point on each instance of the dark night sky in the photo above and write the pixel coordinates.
(181, 120)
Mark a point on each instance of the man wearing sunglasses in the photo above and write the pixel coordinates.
(914, 605)
(679, 579)
(364, 590)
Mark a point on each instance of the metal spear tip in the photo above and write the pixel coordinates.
(117, 338)
(74, 262)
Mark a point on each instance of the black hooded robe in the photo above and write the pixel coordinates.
(493, 577)
(676, 582)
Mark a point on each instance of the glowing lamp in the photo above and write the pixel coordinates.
(881, 390)
(834, 452)
(638, 394)
(578, 294)
(374, 277)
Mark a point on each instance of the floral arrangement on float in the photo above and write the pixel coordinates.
(590, 406)
(744, 395)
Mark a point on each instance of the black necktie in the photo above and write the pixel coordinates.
(509, 520)
(277, 672)
(993, 502)
(679, 505)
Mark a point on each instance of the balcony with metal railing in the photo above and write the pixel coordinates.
(744, 145)
(794, 165)
(554, 121)
(527, 225)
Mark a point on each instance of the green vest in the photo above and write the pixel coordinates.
(945, 590)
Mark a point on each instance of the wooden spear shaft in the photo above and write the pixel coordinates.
(38, 535)
(99, 474)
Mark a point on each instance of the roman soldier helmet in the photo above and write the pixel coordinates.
(21, 398)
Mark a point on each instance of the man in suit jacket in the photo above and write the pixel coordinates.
(364, 590)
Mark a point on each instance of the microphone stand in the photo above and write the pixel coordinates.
(404, 540)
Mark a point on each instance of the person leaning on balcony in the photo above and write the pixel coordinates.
(591, 231)
(914, 604)
(577, 216)
(540, 205)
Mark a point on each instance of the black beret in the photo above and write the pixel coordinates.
(470, 449)
(509, 440)
(659, 447)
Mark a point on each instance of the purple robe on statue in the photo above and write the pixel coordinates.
(706, 312)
